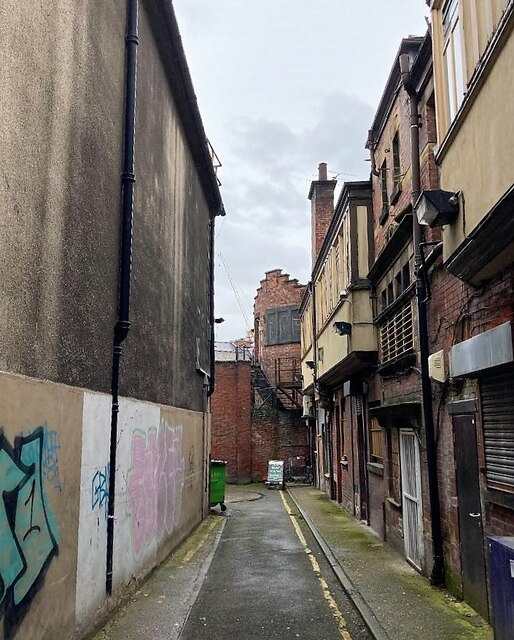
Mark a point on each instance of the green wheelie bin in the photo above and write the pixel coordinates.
(217, 488)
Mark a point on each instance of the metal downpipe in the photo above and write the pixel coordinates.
(122, 327)
(437, 575)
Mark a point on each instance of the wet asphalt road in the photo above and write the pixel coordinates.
(264, 582)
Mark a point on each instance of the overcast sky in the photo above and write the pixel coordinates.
(283, 85)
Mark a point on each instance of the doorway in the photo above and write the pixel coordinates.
(411, 497)
(474, 585)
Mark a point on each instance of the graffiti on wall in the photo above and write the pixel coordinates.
(28, 534)
(100, 490)
(155, 482)
(49, 458)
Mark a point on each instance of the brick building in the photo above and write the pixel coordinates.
(473, 308)
(256, 408)
(395, 418)
(427, 436)
(231, 408)
(277, 429)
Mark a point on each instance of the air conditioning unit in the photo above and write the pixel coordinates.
(307, 407)
(436, 366)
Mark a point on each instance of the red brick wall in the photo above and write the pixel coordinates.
(322, 210)
(276, 435)
(277, 289)
(458, 312)
(231, 419)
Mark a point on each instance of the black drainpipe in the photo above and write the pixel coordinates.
(211, 300)
(437, 576)
(315, 452)
(127, 202)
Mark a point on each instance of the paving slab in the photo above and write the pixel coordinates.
(159, 608)
(405, 604)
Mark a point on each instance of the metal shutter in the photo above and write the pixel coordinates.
(498, 418)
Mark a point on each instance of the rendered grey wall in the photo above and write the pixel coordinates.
(170, 266)
(61, 103)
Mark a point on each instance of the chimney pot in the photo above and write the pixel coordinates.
(322, 171)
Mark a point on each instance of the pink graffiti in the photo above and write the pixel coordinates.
(155, 483)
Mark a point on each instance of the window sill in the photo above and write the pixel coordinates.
(394, 504)
(400, 363)
(376, 468)
(392, 308)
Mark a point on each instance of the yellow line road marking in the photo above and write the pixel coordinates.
(336, 612)
(191, 553)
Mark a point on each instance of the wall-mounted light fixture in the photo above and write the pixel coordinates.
(310, 364)
(342, 328)
(436, 207)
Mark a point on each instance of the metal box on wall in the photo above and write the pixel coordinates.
(501, 554)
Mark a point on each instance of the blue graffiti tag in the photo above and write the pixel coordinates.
(49, 458)
(100, 489)
(27, 527)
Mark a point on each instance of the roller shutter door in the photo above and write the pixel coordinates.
(498, 420)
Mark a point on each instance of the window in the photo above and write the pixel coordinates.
(390, 293)
(393, 289)
(396, 335)
(337, 268)
(282, 325)
(385, 195)
(376, 442)
(397, 173)
(453, 55)
(402, 280)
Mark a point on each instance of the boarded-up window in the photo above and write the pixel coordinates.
(282, 325)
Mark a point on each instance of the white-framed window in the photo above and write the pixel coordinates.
(453, 55)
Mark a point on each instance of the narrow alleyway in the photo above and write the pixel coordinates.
(268, 579)
(260, 572)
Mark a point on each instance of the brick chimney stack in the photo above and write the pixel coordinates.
(321, 195)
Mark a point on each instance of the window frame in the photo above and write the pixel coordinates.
(274, 318)
(374, 427)
(453, 56)
(384, 214)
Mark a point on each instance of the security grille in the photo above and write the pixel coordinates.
(396, 336)
(498, 423)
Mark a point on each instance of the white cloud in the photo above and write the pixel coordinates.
(283, 86)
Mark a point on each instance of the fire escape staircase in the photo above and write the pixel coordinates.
(286, 394)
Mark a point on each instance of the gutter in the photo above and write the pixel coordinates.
(122, 326)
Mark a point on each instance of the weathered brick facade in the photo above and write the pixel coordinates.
(277, 435)
(321, 196)
(276, 290)
(459, 312)
(231, 407)
(253, 421)
(474, 407)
